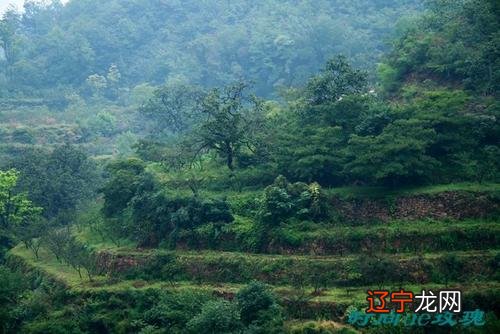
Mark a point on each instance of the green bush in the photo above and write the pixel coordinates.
(174, 310)
(216, 317)
(24, 136)
(157, 215)
(257, 305)
(315, 327)
(283, 200)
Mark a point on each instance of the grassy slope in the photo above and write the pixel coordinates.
(376, 192)
(344, 296)
(95, 241)
(348, 296)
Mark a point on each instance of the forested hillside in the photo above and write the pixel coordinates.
(209, 43)
(247, 167)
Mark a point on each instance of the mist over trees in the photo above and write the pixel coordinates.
(212, 166)
(84, 44)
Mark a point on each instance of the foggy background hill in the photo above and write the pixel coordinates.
(273, 43)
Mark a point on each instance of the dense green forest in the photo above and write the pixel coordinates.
(246, 166)
(75, 47)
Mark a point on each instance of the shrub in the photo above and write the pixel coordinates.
(323, 327)
(163, 214)
(283, 200)
(174, 310)
(451, 266)
(258, 307)
(246, 204)
(23, 136)
(378, 269)
(219, 316)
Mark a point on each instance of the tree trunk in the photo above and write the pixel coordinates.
(79, 272)
(89, 275)
(230, 156)
(36, 250)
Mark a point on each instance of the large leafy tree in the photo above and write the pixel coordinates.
(15, 208)
(9, 39)
(311, 145)
(124, 179)
(337, 80)
(59, 180)
(172, 109)
(231, 120)
(398, 155)
(312, 154)
(19, 217)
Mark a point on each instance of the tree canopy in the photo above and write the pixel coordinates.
(84, 44)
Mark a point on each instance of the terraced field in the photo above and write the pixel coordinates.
(314, 280)
(45, 123)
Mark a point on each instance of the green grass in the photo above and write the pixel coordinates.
(216, 181)
(391, 231)
(48, 263)
(95, 241)
(92, 238)
(64, 274)
(210, 174)
(345, 295)
(417, 226)
(383, 192)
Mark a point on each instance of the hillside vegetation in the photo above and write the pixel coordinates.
(246, 167)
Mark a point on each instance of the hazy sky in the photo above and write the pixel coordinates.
(18, 3)
(5, 3)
